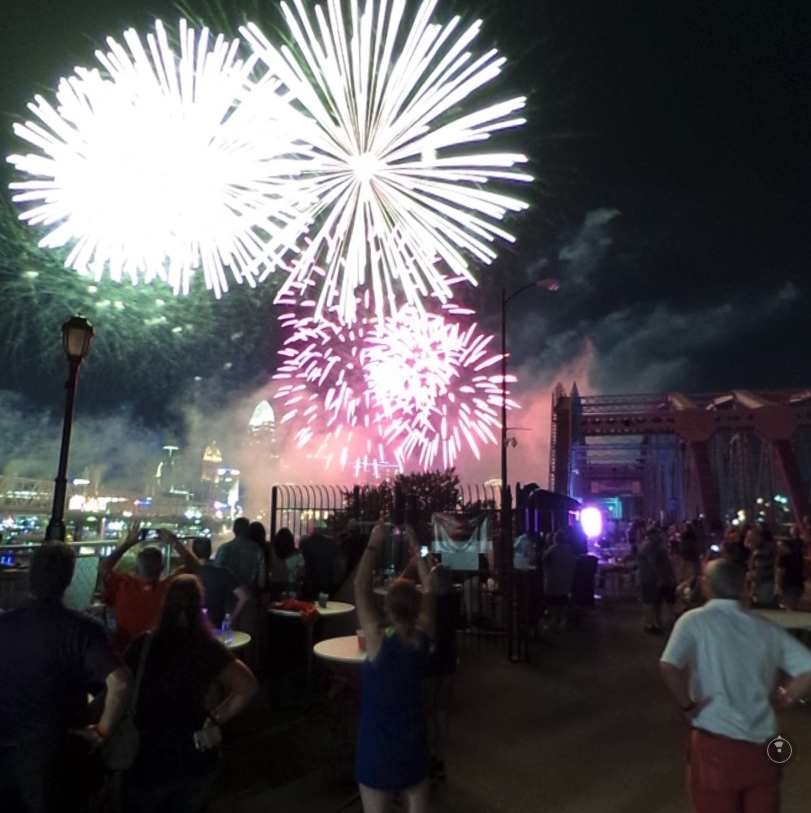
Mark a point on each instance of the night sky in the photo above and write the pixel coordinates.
(671, 142)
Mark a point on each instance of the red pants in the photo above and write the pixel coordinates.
(731, 776)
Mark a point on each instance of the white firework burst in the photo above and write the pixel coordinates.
(162, 163)
(400, 175)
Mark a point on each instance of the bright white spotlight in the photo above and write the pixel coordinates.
(168, 159)
(402, 176)
(591, 520)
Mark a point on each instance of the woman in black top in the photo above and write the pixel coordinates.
(171, 773)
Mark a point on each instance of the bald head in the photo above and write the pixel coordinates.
(725, 579)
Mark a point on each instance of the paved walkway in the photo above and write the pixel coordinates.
(586, 727)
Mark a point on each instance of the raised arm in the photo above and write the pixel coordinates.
(108, 564)
(364, 598)
(426, 618)
(189, 563)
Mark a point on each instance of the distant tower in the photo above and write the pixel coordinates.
(262, 430)
(212, 461)
(218, 483)
(166, 475)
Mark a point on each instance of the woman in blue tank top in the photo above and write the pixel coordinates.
(392, 754)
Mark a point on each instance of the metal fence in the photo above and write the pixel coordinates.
(304, 509)
(498, 604)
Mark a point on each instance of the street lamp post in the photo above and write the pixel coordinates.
(77, 335)
(506, 557)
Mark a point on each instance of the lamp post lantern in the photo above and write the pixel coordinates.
(506, 553)
(77, 335)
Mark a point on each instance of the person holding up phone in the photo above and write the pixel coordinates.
(136, 599)
(392, 755)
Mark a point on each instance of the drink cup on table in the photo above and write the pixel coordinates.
(323, 598)
(361, 640)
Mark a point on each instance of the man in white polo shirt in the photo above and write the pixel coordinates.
(721, 664)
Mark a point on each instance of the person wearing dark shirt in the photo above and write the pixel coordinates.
(441, 670)
(322, 565)
(353, 543)
(222, 592)
(288, 566)
(689, 553)
(761, 568)
(258, 534)
(244, 557)
(52, 659)
(171, 773)
(246, 560)
(790, 576)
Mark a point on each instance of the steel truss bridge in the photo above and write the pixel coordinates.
(677, 456)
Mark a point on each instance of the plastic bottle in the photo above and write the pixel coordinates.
(227, 635)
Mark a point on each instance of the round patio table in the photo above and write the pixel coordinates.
(234, 639)
(787, 619)
(341, 650)
(333, 608)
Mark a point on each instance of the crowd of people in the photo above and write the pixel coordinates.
(666, 564)
(161, 660)
(191, 684)
(53, 741)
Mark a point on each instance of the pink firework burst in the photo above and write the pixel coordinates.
(324, 393)
(410, 391)
(434, 384)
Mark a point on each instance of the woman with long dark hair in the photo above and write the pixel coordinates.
(179, 749)
(288, 565)
(392, 755)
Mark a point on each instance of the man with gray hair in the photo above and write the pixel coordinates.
(721, 664)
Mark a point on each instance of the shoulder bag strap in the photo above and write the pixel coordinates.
(139, 675)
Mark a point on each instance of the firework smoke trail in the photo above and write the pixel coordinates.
(400, 178)
(408, 391)
(162, 163)
(433, 385)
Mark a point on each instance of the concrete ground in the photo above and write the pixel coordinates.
(586, 727)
